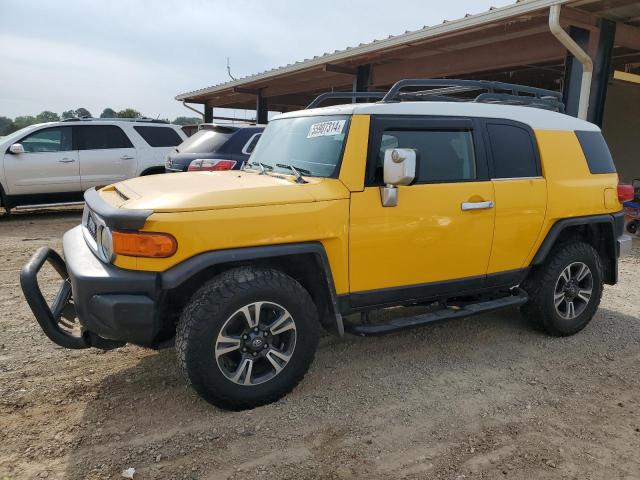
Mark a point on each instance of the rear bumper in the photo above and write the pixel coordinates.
(113, 306)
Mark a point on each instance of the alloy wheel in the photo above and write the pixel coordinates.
(256, 343)
(573, 290)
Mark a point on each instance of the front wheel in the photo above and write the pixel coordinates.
(564, 293)
(247, 337)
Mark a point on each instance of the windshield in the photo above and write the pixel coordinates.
(313, 145)
(206, 141)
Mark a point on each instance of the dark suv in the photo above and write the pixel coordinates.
(214, 147)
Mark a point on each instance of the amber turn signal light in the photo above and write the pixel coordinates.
(144, 244)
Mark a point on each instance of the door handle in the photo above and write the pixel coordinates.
(477, 205)
(67, 160)
(126, 157)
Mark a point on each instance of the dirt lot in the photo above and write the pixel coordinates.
(484, 397)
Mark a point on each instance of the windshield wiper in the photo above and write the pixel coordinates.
(263, 167)
(296, 172)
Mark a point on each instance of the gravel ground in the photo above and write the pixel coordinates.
(484, 397)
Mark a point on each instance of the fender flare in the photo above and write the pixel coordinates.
(155, 170)
(615, 222)
(175, 276)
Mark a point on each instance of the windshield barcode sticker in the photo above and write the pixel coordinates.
(326, 129)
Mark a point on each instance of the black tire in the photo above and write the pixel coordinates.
(541, 287)
(213, 306)
(632, 227)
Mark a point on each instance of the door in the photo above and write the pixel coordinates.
(520, 191)
(437, 240)
(48, 165)
(106, 155)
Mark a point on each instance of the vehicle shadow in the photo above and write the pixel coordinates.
(146, 416)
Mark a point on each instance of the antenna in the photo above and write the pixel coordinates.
(229, 70)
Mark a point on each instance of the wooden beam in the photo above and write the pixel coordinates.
(330, 67)
(626, 77)
(308, 84)
(627, 36)
(525, 51)
(578, 18)
(249, 91)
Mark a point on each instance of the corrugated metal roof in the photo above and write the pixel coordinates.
(492, 15)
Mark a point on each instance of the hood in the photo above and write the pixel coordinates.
(216, 190)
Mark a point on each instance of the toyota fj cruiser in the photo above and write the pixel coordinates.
(420, 198)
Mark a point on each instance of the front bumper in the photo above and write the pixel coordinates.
(113, 306)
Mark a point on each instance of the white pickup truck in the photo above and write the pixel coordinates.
(53, 163)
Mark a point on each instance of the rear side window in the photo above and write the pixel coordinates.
(100, 137)
(251, 144)
(443, 156)
(513, 151)
(596, 152)
(159, 136)
(206, 141)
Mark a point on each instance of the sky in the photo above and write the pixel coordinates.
(65, 54)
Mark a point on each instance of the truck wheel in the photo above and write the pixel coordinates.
(564, 293)
(632, 227)
(247, 337)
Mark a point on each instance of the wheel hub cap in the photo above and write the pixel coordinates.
(255, 343)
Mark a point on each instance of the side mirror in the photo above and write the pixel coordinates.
(16, 148)
(399, 169)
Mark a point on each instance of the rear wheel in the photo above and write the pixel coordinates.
(565, 292)
(247, 337)
(632, 226)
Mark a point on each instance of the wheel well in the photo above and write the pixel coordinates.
(152, 171)
(600, 237)
(306, 268)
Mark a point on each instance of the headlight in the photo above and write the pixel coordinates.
(105, 244)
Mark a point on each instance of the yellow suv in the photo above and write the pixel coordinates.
(420, 198)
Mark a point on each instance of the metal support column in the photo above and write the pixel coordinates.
(262, 109)
(601, 71)
(361, 80)
(208, 114)
(573, 72)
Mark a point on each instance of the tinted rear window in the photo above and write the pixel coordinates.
(513, 151)
(100, 137)
(159, 136)
(596, 152)
(206, 141)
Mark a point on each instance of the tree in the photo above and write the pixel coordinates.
(187, 120)
(48, 116)
(129, 113)
(25, 121)
(82, 112)
(6, 126)
(68, 114)
(108, 113)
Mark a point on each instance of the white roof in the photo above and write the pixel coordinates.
(536, 118)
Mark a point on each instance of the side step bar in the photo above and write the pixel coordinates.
(398, 324)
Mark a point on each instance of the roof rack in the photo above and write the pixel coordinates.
(353, 95)
(495, 92)
(91, 119)
(445, 90)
